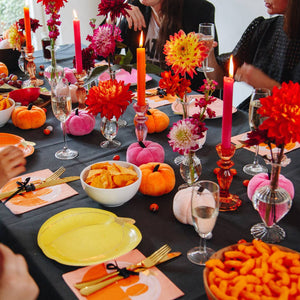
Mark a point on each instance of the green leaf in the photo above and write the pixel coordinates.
(95, 74)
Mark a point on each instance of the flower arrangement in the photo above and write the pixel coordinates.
(15, 33)
(110, 98)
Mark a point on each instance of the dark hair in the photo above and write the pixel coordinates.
(171, 11)
(292, 19)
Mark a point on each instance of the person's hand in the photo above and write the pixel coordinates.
(254, 77)
(135, 18)
(15, 280)
(12, 163)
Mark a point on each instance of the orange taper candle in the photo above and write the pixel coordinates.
(27, 28)
(141, 73)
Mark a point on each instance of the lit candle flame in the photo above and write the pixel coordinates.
(141, 40)
(75, 14)
(231, 67)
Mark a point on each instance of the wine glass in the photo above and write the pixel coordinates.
(207, 35)
(62, 106)
(22, 62)
(109, 129)
(205, 209)
(254, 121)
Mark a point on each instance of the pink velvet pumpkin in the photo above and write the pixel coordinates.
(182, 206)
(262, 179)
(144, 152)
(80, 122)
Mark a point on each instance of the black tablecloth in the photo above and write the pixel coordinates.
(20, 232)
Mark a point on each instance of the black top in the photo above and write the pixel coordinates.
(265, 45)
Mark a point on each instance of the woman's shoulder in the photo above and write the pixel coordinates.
(262, 23)
(199, 4)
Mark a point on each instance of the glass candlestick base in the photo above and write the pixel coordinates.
(81, 91)
(141, 128)
(228, 201)
(31, 69)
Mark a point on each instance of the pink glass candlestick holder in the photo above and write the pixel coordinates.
(31, 69)
(228, 201)
(141, 129)
(81, 91)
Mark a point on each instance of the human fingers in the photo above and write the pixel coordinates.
(8, 261)
(135, 18)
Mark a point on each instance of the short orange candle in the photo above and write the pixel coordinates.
(27, 28)
(141, 73)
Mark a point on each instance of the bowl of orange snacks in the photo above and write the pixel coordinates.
(7, 106)
(111, 183)
(254, 270)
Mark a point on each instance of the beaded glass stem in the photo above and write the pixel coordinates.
(31, 68)
(228, 202)
(141, 129)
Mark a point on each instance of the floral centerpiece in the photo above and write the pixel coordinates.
(281, 113)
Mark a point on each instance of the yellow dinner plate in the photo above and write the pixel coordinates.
(85, 236)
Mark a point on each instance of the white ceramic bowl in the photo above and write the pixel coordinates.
(115, 196)
(6, 113)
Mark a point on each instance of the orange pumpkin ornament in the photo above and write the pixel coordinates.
(30, 117)
(157, 120)
(157, 179)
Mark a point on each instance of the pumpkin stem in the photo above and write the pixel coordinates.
(148, 113)
(76, 111)
(142, 144)
(156, 168)
(30, 106)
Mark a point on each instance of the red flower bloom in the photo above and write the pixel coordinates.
(110, 98)
(58, 4)
(116, 8)
(34, 24)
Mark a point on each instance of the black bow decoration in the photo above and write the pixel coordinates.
(123, 272)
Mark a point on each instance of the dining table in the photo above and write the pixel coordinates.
(157, 228)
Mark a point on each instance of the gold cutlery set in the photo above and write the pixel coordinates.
(161, 255)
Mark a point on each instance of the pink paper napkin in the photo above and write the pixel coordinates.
(263, 148)
(31, 200)
(152, 284)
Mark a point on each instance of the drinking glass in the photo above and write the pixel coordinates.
(254, 121)
(62, 106)
(205, 209)
(109, 129)
(207, 35)
(22, 63)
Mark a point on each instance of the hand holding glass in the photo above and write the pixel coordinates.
(207, 35)
(254, 121)
(205, 209)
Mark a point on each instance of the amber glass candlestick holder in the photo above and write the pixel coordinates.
(81, 91)
(228, 201)
(31, 68)
(141, 129)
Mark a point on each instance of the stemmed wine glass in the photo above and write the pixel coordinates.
(109, 129)
(207, 35)
(205, 209)
(62, 107)
(254, 121)
(22, 62)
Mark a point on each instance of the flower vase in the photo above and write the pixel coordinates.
(109, 129)
(272, 203)
(190, 169)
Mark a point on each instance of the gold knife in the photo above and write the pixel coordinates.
(42, 185)
(83, 284)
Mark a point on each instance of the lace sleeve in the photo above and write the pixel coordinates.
(245, 48)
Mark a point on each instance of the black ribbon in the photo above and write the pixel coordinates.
(123, 272)
(23, 186)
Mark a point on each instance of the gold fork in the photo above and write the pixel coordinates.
(100, 283)
(56, 174)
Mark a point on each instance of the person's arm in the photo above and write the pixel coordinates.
(12, 163)
(15, 280)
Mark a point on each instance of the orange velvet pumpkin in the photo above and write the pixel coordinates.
(30, 117)
(157, 120)
(157, 179)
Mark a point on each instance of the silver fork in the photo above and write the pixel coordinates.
(56, 174)
(102, 282)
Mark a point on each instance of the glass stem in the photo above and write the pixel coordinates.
(255, 161)
(202, 245)
(64, 133)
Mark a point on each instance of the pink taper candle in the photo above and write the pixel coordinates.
(77, 42)
(27, 29)
(227, 107)
(141, 72)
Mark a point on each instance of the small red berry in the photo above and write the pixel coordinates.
(233, 172)
(242, 241)
(42, 67)
(154, 207)
(246, 182)
(47, 131)
(116, 157)
(44, 109)
(41, 73)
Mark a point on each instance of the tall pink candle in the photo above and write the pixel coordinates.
(227, 107)
(141, 72)
(77, 42)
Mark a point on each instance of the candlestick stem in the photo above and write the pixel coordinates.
(31, 68)
(81, 91)
(228, 201)
(141, 129)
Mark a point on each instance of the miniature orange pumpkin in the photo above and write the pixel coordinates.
(157, 120)
(157, 179)
(30, 117)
